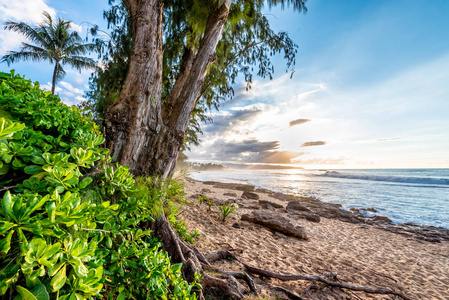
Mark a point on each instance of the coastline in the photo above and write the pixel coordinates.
(370, 251)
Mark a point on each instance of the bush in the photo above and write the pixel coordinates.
(69, 220)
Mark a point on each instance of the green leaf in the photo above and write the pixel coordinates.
(58, 281)
(26, 294)
(17, 163)
(4, 169)
(5, 226)
(38, 160)
(5, 244)
(33, 169)
(40, 292)
(85, 182)
(7, 205)
(121, 296)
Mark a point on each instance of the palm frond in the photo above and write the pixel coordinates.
(79, 62)
(12, 56)
(77, 49)
(26, 30)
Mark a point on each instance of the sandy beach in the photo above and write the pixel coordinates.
(365, 253)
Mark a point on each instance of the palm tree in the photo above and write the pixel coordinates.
(53, 42)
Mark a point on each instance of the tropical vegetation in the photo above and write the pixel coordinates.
(54, 42)
(71, 222)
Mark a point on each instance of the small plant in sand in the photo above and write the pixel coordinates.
(201, 199)
(209, 203)
(226, 210)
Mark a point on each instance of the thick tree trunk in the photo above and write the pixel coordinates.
(53, 82)
(187, 88)
(137, 132)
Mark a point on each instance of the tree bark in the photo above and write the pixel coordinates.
(134, 130)
(53, 82)
(139, 131)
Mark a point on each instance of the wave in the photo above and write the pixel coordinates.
(398, 179)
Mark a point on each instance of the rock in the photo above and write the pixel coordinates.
(210, 182)
(382, 219)
(250, 195)
(267, 204)
(206, 190)
(232, 186)
(293, 205)
(371, 209)
(236, 225)
(309, 216)
(355, 210)
(276, 223)
(251, 204)
(230, 194)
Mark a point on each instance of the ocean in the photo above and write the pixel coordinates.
(404, 195)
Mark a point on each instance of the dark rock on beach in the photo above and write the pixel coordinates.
(277, 223)
(312, 209)
(250, 195)
(293, 205)
(269, 205)
(230, 194)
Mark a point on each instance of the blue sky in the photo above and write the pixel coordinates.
(371, 86)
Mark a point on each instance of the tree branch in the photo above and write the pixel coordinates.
(6, 188)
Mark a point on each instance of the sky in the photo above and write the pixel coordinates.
(370, 88)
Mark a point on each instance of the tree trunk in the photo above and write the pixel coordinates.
(146, 139)
(53, 82)
(137, 132)
(134, 130)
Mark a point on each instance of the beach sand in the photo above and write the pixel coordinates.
(361, 254)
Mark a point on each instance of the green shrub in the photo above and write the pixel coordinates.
(67, 232)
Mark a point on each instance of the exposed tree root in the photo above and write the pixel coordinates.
(322, 279)
(221, 254)
(238, 275)
(290, 295)
(195, 262)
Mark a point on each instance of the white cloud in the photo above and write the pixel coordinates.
(69, 94)
(76, 27)
(71, 88)
(28, 11)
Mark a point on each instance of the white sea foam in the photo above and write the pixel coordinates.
(417, 180)
(413, 195)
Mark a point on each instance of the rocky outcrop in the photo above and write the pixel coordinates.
(276, 223)
(232, 186)
(250, 195)
(251, 204)
(230, 194)
(312, 209)
(293, 205)
(269, 205)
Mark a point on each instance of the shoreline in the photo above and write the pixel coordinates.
(367, 215)
(409, 258)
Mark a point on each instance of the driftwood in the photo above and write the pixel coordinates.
(322, 279)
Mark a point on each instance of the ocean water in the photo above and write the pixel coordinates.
(404, 195)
